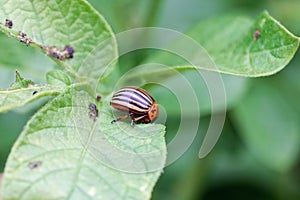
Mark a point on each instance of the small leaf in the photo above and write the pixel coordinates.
(59, 78)
(269, 127)
(21, 82)
(13, 98)
(24, 91)
(62, 23)
(63, 149)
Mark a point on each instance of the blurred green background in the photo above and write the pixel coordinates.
(258, 153)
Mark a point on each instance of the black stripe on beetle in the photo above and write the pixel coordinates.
(125, 105)
(139, 93)
(139, 101)
(139, 104)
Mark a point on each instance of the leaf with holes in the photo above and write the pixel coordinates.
(61, 23)
(65, 149)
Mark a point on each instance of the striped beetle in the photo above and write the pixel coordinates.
(140, 105)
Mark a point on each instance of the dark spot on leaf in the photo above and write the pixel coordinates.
(98, 98)
(35, 92)
(92, 106)
(22, 34)
(8, 23)
(93, 111)
(69, 51)
(34, 164)
(55, 55)
(256, 34)
(24, 38)
(58, 53)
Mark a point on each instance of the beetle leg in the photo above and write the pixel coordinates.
(132, 122)
(122, 118)
(137, 119)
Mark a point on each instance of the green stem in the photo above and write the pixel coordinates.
(153, 12)
(16, 35)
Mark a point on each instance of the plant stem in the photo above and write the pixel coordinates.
(153, 13)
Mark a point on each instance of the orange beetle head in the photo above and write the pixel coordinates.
(153, 112)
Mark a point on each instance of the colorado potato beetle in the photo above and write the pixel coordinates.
(140, 105)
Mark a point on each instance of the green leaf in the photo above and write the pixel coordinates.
(29, 61)
(226, 45)
(24, 91)
(232, 44)
(61, 23)
(58, 77)
(269, 127)
(21, 82)
(79, 155)
(234, 89)
(11, 99)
